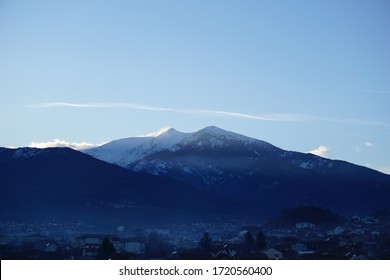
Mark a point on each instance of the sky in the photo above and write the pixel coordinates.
(302, 75)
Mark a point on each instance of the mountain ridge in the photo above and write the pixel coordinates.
(66, 185)
(133, 148)
(210, 174)
(227, 163)
(212, 134)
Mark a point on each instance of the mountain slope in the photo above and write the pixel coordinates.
(122, 152)
(65, 185)
(209, 175)
(256, 173)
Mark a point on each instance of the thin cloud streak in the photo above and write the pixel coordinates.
(205, 112)
(374, 91)
(270, 117)
(366, 145)
(355, 122)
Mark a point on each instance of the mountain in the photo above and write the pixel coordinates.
(208, 175)
(263, 177)
(65, 185)
(144, 153)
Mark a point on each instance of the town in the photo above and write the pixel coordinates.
(355, 238)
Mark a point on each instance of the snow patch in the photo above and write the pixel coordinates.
(26, 152)
(225, 135)
(160, 167)
(306, 165)
(124, 152)
(187, 170)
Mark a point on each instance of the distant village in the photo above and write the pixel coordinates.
(356, 238)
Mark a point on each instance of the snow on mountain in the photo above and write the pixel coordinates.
(125, 151)
(217, 138)
(137, 153)
(216, 132)
(215, 162)
(18, 153)
(26, 153)
(210, 156)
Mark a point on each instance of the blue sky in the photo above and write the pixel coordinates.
(298, 74)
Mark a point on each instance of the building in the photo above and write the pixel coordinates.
(51, 248)
(273, 254)
(131, 245)
(90, 244)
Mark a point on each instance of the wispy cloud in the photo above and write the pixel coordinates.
(208, 112)
(321, 151)
(358, 122)
(133, 106)
(57, 143)
(364, 146)
(374, 91)
(368, 144)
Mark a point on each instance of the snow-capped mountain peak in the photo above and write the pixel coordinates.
(162, 132)
(216, 160)
(214, 131)
(125, 151)
(168, 149)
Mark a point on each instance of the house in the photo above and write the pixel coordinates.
(359, 257)
(298, 247)
(66, 248)
(90, 243)
(131, 245)
(336, 231)
(226, 253)
(307, 255)
(38, 241)
(51, 248)
(273, 254)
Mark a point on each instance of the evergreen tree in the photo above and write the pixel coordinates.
(205, 243)
(106, 249)
(155, 244)
(249, 241)
(261, 243)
